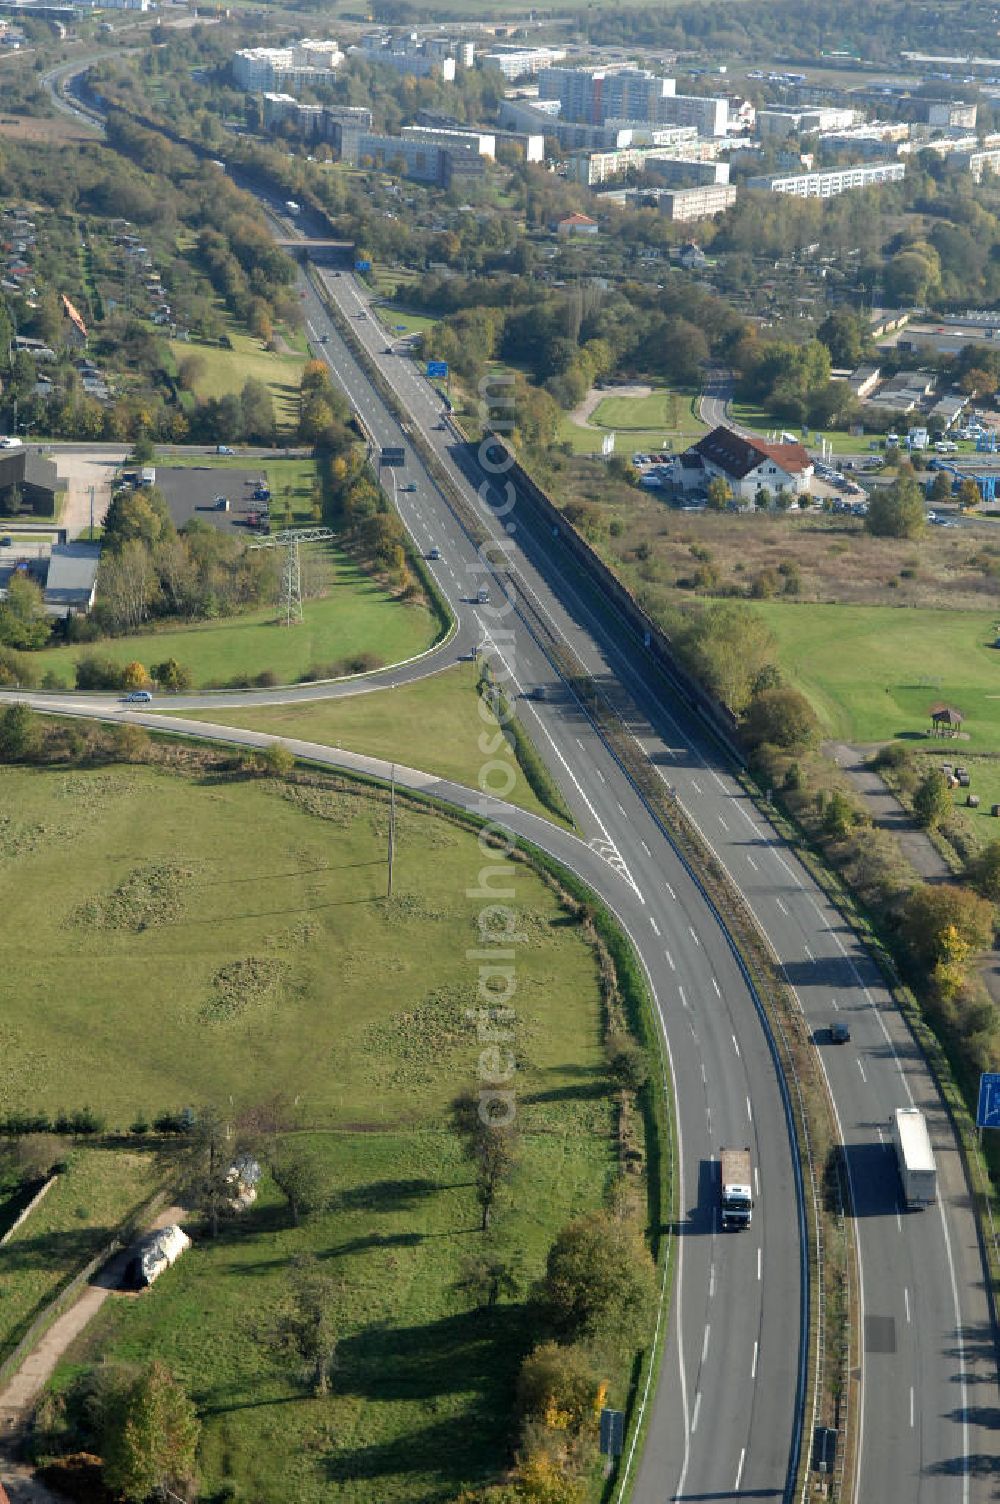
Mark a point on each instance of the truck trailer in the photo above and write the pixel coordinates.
(915, 1157)
(735, 1189)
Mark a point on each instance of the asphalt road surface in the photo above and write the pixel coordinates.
(725, 1418)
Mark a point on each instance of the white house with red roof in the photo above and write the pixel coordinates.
(747, 465)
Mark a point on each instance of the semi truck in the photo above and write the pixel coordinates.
(736, 1194)
(915, 1157)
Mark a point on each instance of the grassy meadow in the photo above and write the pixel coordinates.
(226, 941)
(225, 371)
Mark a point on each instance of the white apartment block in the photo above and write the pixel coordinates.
(682, 205)
(278, 69)
(482, 143)
(780, 123)
(520, 62)
(710, 117)
(975, 163)
(831, 183)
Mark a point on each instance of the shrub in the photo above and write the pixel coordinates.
(134, 675)
(93, 671)
(599, 1278)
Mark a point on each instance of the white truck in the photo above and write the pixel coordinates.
(915, 1157)
(736, 1194)
(291, 207)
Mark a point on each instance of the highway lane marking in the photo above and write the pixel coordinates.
(753, 1365)
(600, 775)
(760, 1261)
(752, 863)
(694, 936)
(723, 823)
(716, 986)
(703, 1076)
(695, 785)
(645, 848)
(704, 1345)
(656, 927)
(911, 1406)
(736, 1046)
(906, 1302)
(963, 1393)
(782, 863)
(862, 1070)
(670, 960)
(819, 913)
(684, 1001)
(809, 954)
(621, 808)
(578, 742)
(670, 890)
(836, 1005)
(781, 906)
(721, 782)
(756, 1181)
(739, 1470)
(695, 1412)
(749, 1110)
(711, 1281)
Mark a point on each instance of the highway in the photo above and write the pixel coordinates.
(725, 1418)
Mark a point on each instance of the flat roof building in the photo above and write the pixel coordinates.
(831, 183)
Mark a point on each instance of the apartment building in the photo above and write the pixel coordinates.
(520, 62)
(781, 123)
(683, 205)
(830, 184)
(282, 69)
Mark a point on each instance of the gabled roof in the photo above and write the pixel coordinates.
(73, 315)
(737, 456)
(578, 219)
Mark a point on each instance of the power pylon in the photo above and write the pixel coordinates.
(291, 569)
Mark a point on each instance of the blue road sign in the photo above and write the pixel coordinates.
(362, 266)
(399, 328)
(988, 1110)
(437, 368)
(612, 1432)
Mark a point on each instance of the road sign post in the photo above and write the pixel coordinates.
(988, 1107)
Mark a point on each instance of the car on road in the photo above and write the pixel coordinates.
(441, 426)
(410, 486)
(387, 350)
(138, 697)
(6, 542)
(840, 1031)
(324, 339)
(434, 553)
(224, 449)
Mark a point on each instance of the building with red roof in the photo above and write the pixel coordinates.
(747, 464)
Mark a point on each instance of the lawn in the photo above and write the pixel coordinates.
(412, 323)
(640, 423)
(226, 371)
(871, 672)
(433, 724)
(77, 1217)
(216, 940)
(354, 616)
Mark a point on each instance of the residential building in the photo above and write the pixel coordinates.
(415, 156)
(409, 55)
(683, 205)
(577, 224)
(71, 578)
(833, 182)
(781, 123)
(297, 66)
(710, 117)
(863, 381)
(482, 144)
(594, 95)
(875, 142)
(952, 115)
(532, 145)
(680, 172)
(976, 162)
(597, 167)
(747, 465)
(520, 62)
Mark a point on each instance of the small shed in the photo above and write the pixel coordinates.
(154, 1253)
(945, 720)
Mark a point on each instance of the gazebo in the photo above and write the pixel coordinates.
(945, 720)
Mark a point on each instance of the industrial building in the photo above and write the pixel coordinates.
(831, 183)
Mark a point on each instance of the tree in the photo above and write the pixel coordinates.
(557, 1384)
(932, 800)
(20, 734)
(968, 495)
(278, 760)
(930, 913)
(208, 1159)
(150, 1434)
(941, 488)
(896, 510)
(303, 1177)
(257, 408)
(718, 493)
(172, 675)
(32, 1157)
(492, 1148)
(983, 872)
(24, 622)
(134, 675)
(485, 1278)
(628, 1063)
(781, 716)
(599, 1278)
(304, 1326)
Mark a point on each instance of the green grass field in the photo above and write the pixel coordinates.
(78, 1216)
(433, 724)
(640, 423)
(871, 672)
(209, 940)
(226, 371)
(354, 616)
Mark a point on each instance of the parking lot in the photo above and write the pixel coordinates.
(193, 491)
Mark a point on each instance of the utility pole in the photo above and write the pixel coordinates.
(392, 825)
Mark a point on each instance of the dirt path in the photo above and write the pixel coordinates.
(18, 1397)
(80, 472)
(581, 414)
